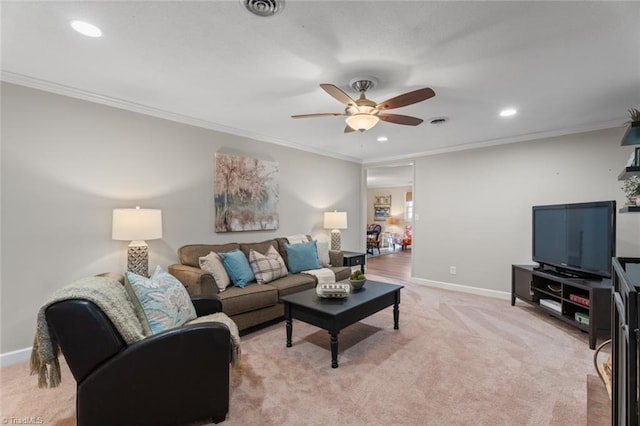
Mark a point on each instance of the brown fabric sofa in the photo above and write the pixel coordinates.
(255, 303)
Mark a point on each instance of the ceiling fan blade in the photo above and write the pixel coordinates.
(400, 119)
(322, 114)
(407, 99)
(349, 129)
(338, 94)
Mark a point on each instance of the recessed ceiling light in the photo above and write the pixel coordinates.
(508, 112)
(383, 139)
(86, 28)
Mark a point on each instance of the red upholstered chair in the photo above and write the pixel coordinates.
(404, 241)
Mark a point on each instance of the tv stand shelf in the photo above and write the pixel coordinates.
(589, 297)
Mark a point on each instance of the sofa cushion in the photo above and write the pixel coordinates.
(191, 254)
(212, 263)
(238, 300)
(260, 247)
(293, 283)
(302, 256)
(164, 299)
(267, 267)
(238, 268)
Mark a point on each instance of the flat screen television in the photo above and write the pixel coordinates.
(575, 239)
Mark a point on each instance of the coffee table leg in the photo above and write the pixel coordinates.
(334, 350)
(396, 311)
(289, 324)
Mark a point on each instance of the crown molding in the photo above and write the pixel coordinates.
(503, 141)
(60, 89)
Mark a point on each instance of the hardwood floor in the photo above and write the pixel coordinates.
(396, 266)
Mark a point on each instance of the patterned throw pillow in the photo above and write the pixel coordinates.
(213, 265)
(238, 268)
(164, 299)
(267, 267)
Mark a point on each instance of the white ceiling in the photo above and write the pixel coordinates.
(566, 66)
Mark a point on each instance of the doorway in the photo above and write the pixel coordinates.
(389, 203)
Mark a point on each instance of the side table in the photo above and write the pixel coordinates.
(352, 258)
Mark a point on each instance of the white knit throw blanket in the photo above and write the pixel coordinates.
(109, 295)
(324, 275)
(221, 317)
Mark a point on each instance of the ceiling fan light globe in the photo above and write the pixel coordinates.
(362, 121)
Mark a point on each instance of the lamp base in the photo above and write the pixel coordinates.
(138, 258)
(336, 239)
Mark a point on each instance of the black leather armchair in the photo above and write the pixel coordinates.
(174, 377)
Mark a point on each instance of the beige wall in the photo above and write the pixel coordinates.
(67, 163)
(397, 207)
(474, 206)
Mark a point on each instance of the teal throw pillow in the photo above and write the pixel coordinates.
(164, 300)
(237, 267)
(302, 257)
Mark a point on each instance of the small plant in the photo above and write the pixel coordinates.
(357, 275)
(634, 113)
(631, 187)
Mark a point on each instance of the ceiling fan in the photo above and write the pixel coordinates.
(362, 114)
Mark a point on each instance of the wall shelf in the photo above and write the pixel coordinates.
(629, 209)
(628, 172)
(632, 135)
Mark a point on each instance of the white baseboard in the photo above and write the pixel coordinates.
(14, 357)
(463, 288)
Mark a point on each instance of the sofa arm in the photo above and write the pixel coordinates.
(206, 305)
(336, 258)
(196, 281)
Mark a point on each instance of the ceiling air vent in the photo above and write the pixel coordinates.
(264, 7)
(438, 121)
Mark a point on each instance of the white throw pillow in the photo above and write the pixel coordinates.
(213, 265)
(323, 253)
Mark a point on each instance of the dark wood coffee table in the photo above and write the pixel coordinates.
(335, 314)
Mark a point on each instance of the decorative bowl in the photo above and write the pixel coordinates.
(357, 284)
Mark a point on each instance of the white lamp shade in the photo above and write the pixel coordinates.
(335, 220)
(137, 224)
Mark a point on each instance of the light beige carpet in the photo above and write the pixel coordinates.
(458, 359)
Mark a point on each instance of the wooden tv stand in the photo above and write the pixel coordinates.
(583, 295)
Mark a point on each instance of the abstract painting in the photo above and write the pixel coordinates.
(245, 194)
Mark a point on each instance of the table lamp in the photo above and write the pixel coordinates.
(137, 225)
(335, 221)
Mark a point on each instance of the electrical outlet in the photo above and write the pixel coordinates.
(452, 270)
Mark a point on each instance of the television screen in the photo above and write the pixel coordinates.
(576, 237)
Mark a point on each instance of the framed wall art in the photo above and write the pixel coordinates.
(381, 207)
(245, 193)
